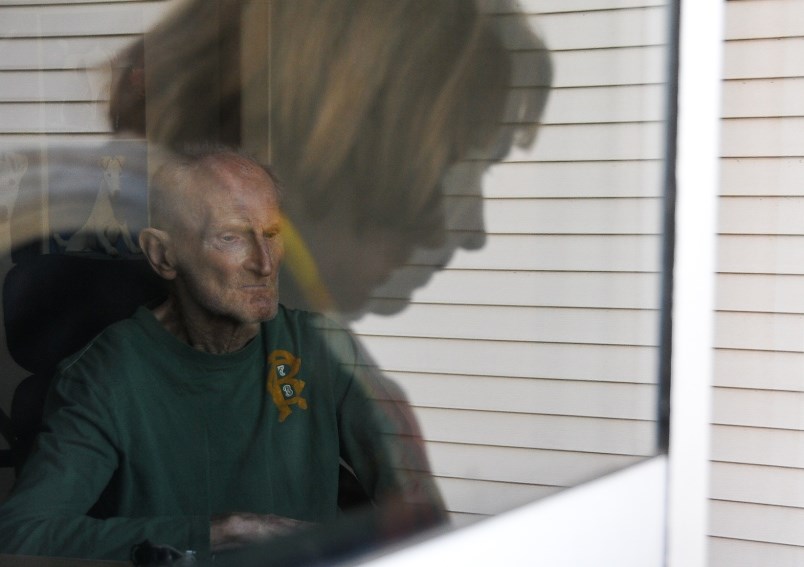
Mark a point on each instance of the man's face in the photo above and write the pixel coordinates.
(228, 245)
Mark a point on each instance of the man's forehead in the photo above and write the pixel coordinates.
(230, 190)
(235, 164)
(235, 171)
(224, 183)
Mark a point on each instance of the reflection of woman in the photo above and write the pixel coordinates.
(365, 104)
(362, 106)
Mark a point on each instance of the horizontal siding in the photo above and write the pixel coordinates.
(763, 58)
(756, 522)
(574, 179)
(531, 361)
(584, 142)
(779, 293)
(759, 98)
(486, 497)
(515, 359)
(61, 118)
(522, 466)
(619, 253)
(624, 403)
(459, 468)
(759, 408)
(763, 19)
(524, 431)
(760, 331)
(755, 484)
(767, 177)
(530, 324)
(613, 290)
(758, 446)
(561, 6)
(80, 19)
(72, 85)
(55, 63)
(595, 67)
(747, 495)
(60, 2)
(624, 215)
(762, 137)
(607, 29)
(725, 552)
(759, 370)
(600, 105)
(60, 53)
(42, 142)
(761, 254)
(761, 215)
(573, 216)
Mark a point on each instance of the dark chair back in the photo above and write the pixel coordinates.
(53, 306)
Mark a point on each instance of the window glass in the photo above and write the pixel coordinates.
(476, 191)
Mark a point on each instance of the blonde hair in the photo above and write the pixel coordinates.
(370, 100)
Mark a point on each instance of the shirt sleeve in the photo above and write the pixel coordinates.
(380, 437)
(49, 511)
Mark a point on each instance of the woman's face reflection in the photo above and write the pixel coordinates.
(361, 120)
(355, 259)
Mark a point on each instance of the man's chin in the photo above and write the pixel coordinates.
(266, 314)
(258, 312)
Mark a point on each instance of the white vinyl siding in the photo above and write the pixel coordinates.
(532, 362)
(55, 64)
(757, 474)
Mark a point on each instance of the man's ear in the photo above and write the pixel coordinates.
(156, 246)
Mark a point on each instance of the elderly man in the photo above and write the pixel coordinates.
(219, 417)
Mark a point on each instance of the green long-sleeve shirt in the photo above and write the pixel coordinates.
(146, 438)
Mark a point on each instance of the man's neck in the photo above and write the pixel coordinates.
(215, 335)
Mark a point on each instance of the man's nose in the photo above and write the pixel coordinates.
(261, 259)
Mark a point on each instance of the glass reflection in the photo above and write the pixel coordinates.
(517, 248)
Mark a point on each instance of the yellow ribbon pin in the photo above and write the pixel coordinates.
(283, 385)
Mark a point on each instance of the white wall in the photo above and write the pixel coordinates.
(757, 484)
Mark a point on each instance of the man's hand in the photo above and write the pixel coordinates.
(231, 531)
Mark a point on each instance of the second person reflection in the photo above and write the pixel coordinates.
(361, 107)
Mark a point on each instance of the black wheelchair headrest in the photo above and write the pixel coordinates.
(54, 304)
